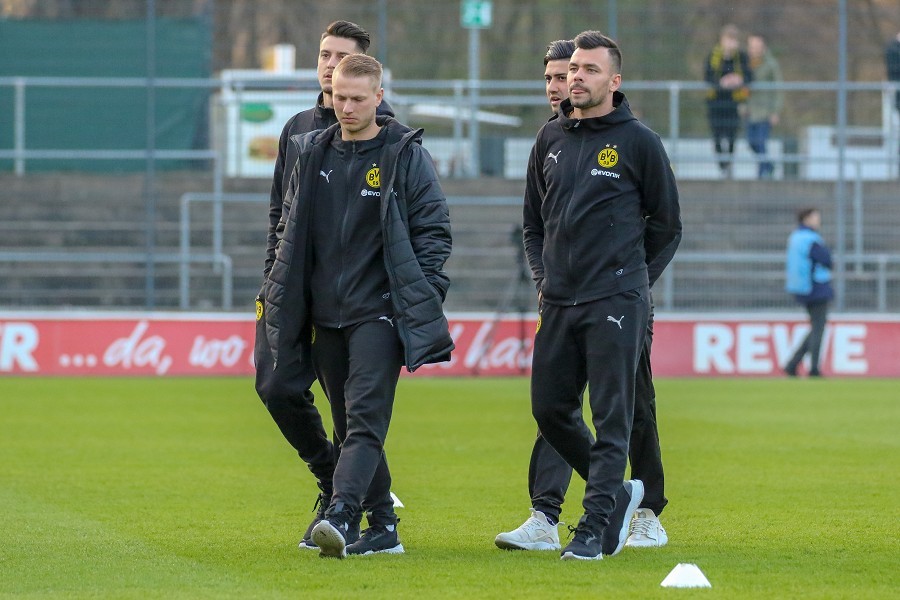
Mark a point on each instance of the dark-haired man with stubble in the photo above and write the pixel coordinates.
(549, 474)
(284, 388)
(600, 204)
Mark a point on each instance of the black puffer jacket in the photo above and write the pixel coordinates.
(415, 225)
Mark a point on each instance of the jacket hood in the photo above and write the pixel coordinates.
(397, 131)
(621, 114)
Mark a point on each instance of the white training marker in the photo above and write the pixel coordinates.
(397, 503)
(686, 575)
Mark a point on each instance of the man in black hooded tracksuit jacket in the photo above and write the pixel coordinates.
(600, 203)
(285, 392)
(356, 301)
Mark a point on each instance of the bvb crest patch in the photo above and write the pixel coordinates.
(313, 341)
(373, 177)
(538, 328)
(608, 157)
(259, 309)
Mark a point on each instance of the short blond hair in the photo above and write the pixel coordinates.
(361, 65)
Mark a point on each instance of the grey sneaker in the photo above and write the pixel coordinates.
(646, 530)
(536, 533)
(627, 500)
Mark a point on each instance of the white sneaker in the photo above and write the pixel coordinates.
(646, 530)
(534, 534)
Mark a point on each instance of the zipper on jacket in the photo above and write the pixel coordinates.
(566, 213)
(340, 278)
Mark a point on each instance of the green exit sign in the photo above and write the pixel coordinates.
(476, 14)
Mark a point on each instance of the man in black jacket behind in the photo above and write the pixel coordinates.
(600, 203)
(358, 284)
(285, 391)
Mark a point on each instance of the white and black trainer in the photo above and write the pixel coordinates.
(377, 539)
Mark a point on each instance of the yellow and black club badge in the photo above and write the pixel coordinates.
(259, 309)
(373, 177)
(538, 328)
(608, 157)
(313, 340)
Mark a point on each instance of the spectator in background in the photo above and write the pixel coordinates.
(764, 105)
(892, 62)
(808, 271)
(728, 73)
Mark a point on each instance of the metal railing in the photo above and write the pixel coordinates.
(58, 257)
(490, 94)
(456, 93)
(666, 300)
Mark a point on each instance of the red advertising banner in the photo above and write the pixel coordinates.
(210, 344)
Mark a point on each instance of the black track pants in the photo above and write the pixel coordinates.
(358, 368)
(285, 393)
(549, 474)
(812, 343)
(597, 343)
(643, 450)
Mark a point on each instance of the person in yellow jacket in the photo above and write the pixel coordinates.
(728, 73)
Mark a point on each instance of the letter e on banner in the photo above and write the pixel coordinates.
(753, 348)
(848, 350)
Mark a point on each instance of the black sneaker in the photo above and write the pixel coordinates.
(586, 544)
(379, 538)
(319, 508)
(627, 501)
(330, 535)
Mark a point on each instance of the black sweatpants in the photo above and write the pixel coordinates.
(643, 449)
(549, 474)
(812, 343)
(286, 394)
(597, 344)
(358, 367)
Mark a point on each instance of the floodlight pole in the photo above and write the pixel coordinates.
(474, 76)
(150, 175)
(612, 16)
(841, 186)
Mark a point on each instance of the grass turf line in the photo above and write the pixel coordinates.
(184, 488)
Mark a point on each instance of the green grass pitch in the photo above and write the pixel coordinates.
(184, 488)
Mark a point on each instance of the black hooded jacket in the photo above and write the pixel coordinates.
(600, 204)
(349, 282)
(415, 229)
(318, 117)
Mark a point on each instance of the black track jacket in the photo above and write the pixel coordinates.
(600, 203)
(349, 283)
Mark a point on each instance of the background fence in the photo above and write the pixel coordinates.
(135, 142)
